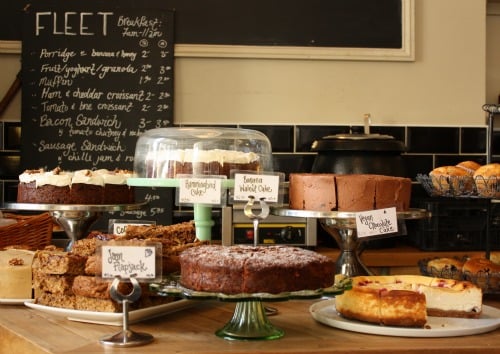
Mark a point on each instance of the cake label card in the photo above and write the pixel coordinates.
(119, 226)
(376, 222)
(260, 186)
(140, 261)
(201, 190)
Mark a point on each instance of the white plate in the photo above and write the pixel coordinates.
(14, 301)
(325, 312)
(113, 318)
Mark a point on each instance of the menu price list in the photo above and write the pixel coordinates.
(95, 77)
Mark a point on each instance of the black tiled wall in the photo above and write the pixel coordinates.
(427, 147)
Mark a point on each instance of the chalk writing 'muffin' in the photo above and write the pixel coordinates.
(72, 23)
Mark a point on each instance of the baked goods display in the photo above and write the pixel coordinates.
(212, 162)
(451, 179)
(450, 268)
(15, 274)
(483, 272)
(351, 192)
(169, 152)
(407, 300)
(75, 187)
(247, 269)
(466, 179)
(71, 279)
(469, 166)
(486, 178)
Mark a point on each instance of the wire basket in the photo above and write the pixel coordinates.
(460, 186)
(488, 282)
(32, 231)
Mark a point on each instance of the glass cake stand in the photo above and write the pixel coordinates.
(74, 219)
(342, 227)
(249, 320)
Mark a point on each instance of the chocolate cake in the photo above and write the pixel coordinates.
(78, 187)
(38, 186)
(349, 193)
(247, 269)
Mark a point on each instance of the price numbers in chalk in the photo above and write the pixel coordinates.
(96, 80)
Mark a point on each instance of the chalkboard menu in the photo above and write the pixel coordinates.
(312, 23)
(95, 77)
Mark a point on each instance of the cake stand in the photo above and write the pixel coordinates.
(249, 320)
(202, 213)
(342, 227)
(74, 219)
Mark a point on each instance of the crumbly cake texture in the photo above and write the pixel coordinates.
(58, 262)
(248, 269)
(349, 193)
(407, 300)
(71, 279)
(53, 283)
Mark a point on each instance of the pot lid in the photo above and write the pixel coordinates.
(358, 136)
(358, 142)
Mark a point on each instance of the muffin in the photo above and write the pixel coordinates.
(469, 166)
(449, 268)
(451, 180)
(486, 179)
(482, 272)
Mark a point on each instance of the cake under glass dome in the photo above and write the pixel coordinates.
(168, 152)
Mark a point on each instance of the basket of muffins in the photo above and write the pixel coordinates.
(481, 271)
(466, 179)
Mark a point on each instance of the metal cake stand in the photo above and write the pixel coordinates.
(74, 219)
(342, 227)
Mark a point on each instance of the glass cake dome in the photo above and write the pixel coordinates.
(168, 152)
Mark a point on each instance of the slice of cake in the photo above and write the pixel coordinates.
(38, 186)
(312, 191)
(407, 300)
(356, 192)
(116, 190)
(58, 262)
(15, 274)
(87, 187)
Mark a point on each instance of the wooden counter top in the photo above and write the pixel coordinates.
(24, 330)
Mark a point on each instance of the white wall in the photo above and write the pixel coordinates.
(445, 85)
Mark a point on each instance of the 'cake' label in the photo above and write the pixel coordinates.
(200, 190)
(376, 222)
(260, 186)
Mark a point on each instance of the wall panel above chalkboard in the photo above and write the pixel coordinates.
(297, 29)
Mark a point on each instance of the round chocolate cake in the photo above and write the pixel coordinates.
(248, 269)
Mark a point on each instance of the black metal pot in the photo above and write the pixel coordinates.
(359, 153)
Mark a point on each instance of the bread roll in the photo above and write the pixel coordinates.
(451, 180)
(449, 268)
(469, 166)
(486, 179)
